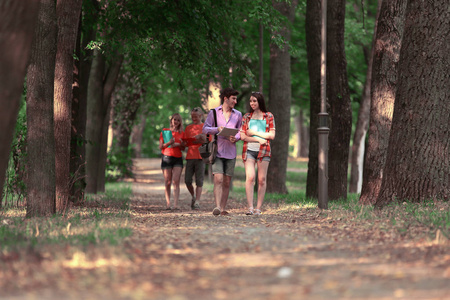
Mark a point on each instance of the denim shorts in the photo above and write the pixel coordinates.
(254, 155)
(169, 162)
(224, 166)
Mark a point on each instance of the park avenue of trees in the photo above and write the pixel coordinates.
(70, 68)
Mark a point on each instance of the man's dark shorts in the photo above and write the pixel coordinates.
(197, 167)
(224, 166)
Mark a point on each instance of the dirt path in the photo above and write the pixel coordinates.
(281, 254)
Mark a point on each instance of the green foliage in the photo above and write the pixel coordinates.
(119, 164)
(14, 189)
(104, 219)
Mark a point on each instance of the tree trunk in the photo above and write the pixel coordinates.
(304, 144)
(136, 136)
(339, 98)
(18, 21)
(313, 47)
(280, 103)
(99, 107)
(386, 53)
(79, 110)
(67, 12)
(298, 120)
(418, 157)
(95, 119)
(40, 135)
(261, 57)
(362, 124)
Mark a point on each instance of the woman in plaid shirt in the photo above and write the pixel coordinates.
(258, 128)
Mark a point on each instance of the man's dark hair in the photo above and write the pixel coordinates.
(227, 93)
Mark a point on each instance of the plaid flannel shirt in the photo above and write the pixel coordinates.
(264, 150)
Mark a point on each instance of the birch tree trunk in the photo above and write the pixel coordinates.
(362, 124)
(418, 157)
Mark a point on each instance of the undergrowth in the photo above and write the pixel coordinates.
(103, 218)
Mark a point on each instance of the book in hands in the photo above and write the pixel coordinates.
(167, 136)
(228, 131)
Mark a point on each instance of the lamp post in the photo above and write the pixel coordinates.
(323, 129)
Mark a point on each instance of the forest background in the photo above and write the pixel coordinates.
(128, 65)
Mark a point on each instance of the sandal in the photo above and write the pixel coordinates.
(168, 208)
(249, 212)
(257, 211)
(216, 211)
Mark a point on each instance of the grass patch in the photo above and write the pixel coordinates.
(102, 219)
(408, 219)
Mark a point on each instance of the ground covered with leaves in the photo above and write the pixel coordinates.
(289, 252)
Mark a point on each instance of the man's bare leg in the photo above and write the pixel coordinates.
(225, 192)
(218, 182)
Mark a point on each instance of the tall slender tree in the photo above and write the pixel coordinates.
(40, 179)
(82, 69)
(280, 101)
(17, 23)
(339, 99)
(68, 14)
(386, 53)
(101, 86)
(362, 124)
(418, 157)
(313, 46)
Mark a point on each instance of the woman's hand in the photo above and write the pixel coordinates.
(261, 141)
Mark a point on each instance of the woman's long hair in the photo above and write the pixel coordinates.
(180, 126)
(261, 102)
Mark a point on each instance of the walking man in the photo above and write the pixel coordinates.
(223, 167)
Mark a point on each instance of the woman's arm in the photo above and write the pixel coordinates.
(247, 138)
(265, 135)
(163, 145)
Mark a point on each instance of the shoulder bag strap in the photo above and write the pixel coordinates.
(215, 122)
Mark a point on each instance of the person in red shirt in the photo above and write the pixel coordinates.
(171, 145)
(194, 163)
(258, 129)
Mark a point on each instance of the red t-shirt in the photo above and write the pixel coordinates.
(191, 131)
(172, 151)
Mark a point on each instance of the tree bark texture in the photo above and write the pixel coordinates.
(68, 13)
(362, 124)
(18, 21)
(280, 103)
(418, 157)
(82, 71)
(101, 86)
(386, 53)
(339, 98)
(40, 179)
(313, 48)
(95, 118)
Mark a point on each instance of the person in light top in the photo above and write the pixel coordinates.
(171, 145)
(258, 129)
(223, 167)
